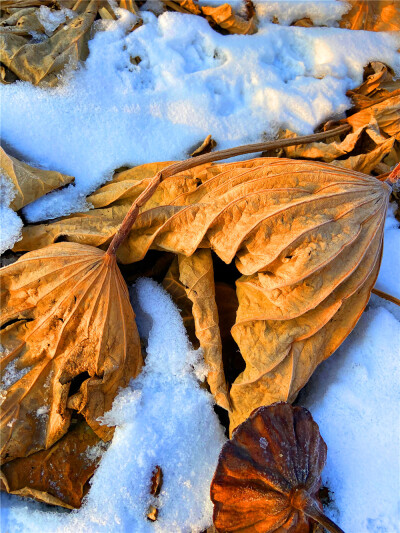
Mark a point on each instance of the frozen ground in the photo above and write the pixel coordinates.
(192, 82)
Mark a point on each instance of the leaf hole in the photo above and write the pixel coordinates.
(76, 382)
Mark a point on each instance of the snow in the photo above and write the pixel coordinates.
(389, 278)
(191, 82)
(164, 418)
(323, 12)
(11, 225)
(354, 397)
(50, 19)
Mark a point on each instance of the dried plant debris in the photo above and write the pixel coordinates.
(372, 146)
(306, 237)
(268, 475)
(191, 279)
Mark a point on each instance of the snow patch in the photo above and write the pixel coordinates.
(389, 279)
(50, 19)
(11, 225)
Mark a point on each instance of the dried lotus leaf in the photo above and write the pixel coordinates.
(66, 323)
(307, 238)
(269, 473)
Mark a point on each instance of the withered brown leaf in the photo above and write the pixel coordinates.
(306, 236)
(379, 83)
(59, 475)
(225, 17)
(69, 341)
(268, 475)
(29, 183)
(41, 63)
(372, 15)
(197, 276)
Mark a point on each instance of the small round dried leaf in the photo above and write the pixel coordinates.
(269, 473)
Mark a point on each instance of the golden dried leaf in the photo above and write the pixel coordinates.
(130, 5)
(366, 162)
(42, 62)
(365, 148)
(29, 183)
(190, 6)
(303, 23)
(372, 15)
(385, 115)
(225, 17)
(175, 288)
(268, 475)
(206, 146)
(197, 276)
(306, 236)
(22, 22)
(14, 4)
(69, 341)
(59, 475)
(111, 203)
(379, 84)
(190, 282)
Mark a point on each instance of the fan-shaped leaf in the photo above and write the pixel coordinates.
(69, 341)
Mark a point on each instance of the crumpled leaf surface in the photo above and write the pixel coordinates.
(196, 281)
(373, 144)
(380, 83)
(66, 323)
(42, 62)
(384, 114)
(59, 475)
(22, 22)
(372, 15)
(29, 183)
(225, 17)
(273, 459)
(306, 236)
(361, 150)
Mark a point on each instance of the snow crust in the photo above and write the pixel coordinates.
(190, 82)
(354, 397)
(164, 418)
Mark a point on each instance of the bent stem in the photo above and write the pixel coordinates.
(386, 296)
(303, 501)
(181, 166)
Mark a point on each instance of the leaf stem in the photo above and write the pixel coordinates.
(187, 164)
(386, 296)
(303, 501)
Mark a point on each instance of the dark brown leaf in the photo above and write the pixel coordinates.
(59, 475)
(268, 475)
